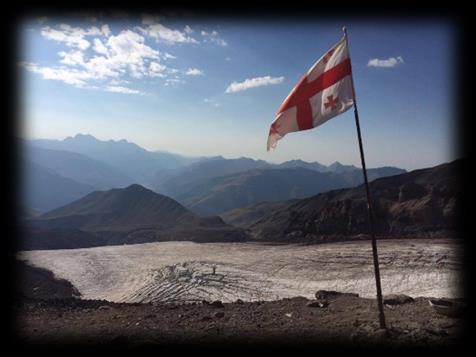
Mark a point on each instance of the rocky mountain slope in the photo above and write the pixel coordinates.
(418, 202)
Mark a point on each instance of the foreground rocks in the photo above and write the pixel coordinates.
(345, 319)
(49, 311)
(397, 299)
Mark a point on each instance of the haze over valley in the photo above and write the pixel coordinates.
(206, 185)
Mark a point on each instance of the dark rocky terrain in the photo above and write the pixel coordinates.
(345, 321)
(422, 202)
(247, 215)
(38, 283)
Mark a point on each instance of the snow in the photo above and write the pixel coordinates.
(183, 271)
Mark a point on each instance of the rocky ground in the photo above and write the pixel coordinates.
(49, 312)
(346, 319)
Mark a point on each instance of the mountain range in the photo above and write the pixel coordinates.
(220, 194)
(206, 185)
(78, 167)
(129, 158)
(215, 185)
(419, 203)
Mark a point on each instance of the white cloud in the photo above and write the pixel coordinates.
(70, 38)
(99, 47)
(125, 90)
(169, 56)
(162, 33)
(104, 67)
(123, 54)
(95, 57)
(106, 30)
(386, 63)
(71, 76)
(188, 29)
(116, 82)
(128, 48)
(213, 37)
(127, 53)
(73, 36)
(72, 58)
(253, 83)
(156, 69)
(194, 72)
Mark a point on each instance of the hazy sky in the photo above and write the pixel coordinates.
(212, 86)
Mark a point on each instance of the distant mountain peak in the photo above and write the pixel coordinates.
(90, 138)
(137, 188)
(84, 136)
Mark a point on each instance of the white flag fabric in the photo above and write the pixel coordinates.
(322, 93)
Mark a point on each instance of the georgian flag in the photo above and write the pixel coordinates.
(322, 93)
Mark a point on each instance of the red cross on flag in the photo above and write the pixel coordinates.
(322, 93)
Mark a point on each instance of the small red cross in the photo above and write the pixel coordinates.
(331, 102)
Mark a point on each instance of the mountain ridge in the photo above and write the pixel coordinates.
(114, 164)
(128, 215)
(420, 202)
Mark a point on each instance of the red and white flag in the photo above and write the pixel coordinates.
(322, 93)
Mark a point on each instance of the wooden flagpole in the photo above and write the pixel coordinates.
(369, 204)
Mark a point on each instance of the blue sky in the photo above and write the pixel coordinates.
(166, 84)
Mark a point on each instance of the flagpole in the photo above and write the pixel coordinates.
(369, 204)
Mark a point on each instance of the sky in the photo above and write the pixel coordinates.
(212, 86)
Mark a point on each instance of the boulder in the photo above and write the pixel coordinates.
(330, 294)
(448, 308)
(217, 303)
(397, 299)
